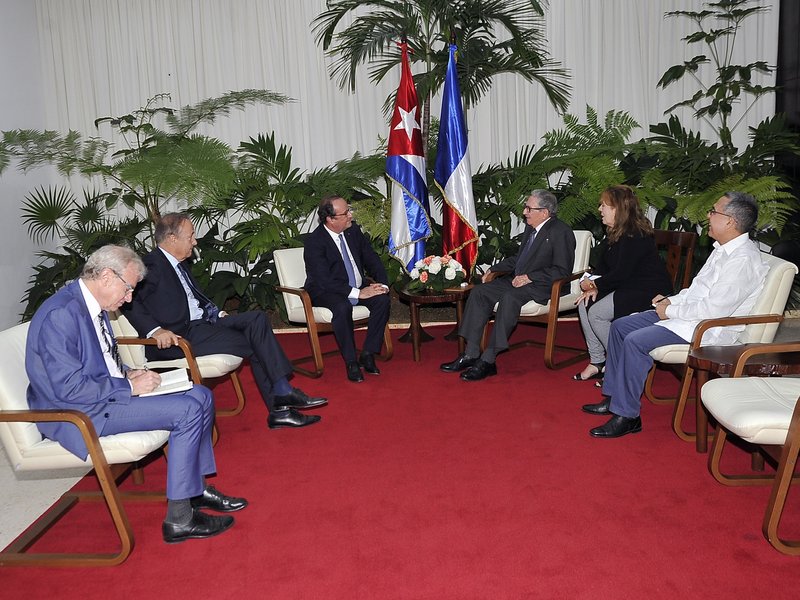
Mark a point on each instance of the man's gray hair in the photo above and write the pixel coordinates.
(743, 208)
(546, 200)
(116, 258)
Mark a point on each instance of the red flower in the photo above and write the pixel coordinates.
(423, 277)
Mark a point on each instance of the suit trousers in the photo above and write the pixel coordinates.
(248, 335)
(596, 324)
(479, 307)
(629, 344)
(342, 322)
(189, 417)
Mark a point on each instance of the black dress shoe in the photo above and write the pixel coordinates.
(298, 399)
(290, 418)
(367, 361)
(213, 499)
(601, 408)
(459, 364)
(354, 372)
(480, 370)
(617, 427)
(201, 526)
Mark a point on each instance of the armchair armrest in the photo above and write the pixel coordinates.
(308, 309)
(80, 419)
(183, 344)
(707, 324)
(492, 275)
(748, 351)
(555, 290)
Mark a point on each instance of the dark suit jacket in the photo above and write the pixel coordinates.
(325, 272)
(633, 270)
(66, 368)
(159, 299)
(551, 257)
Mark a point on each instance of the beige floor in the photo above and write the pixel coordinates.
(25, 496)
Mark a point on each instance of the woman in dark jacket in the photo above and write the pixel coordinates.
(629, 276)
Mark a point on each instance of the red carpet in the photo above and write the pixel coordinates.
(417, 485)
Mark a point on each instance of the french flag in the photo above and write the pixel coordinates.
(405, 166)
(453, 175)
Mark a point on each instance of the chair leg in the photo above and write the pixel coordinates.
(15, 554)
(388, 349)
(648, 389)
(728, 479)
(237, 388)
(680, 405)
(316, 354)
(777, 499)
(550, 346)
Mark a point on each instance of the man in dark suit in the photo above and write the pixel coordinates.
(73, 362)
(547, 253)
(337, 257)
(169, 305)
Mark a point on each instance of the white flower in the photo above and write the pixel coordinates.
(449, 273)
(415, 272)
(419, 264)
(435, 266)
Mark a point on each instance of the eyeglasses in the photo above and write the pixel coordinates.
(530, 208)
(714, 211)
(346, 212)
(128, 287)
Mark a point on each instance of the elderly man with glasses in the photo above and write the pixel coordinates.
(338, 258)
(73, 362)
(728, 285)
(547, 253)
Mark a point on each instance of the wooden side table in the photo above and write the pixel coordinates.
(720, 360)
(417, 299)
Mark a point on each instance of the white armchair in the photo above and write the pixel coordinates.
(111, 458)
(763, 411)
(548, 314)
(760, 327)
(201, 368)
(291, 269)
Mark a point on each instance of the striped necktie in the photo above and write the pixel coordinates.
(110, 340)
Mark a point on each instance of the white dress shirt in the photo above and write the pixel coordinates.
(728, 285)
(335, 236)
(95, 311)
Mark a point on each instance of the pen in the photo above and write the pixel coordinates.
(660, 300)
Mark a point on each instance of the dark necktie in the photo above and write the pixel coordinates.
(110, 340)
(524, 253)
(348, 266)
(210, 310)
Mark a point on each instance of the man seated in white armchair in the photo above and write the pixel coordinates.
(728, 285)
(72, 361)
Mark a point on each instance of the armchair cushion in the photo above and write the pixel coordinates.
(757, 409)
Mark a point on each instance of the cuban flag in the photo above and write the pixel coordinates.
(453, 175)
(405, 166)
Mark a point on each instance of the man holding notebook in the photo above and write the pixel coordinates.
(72, 362)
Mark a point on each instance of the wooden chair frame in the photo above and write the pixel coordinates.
(107, 476)
(678, 247)
(687, 374)
(550, 321)
(194, 370)
(785, 456)
(314, 330)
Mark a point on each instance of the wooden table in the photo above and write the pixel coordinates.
(417, 299)
(720, 360)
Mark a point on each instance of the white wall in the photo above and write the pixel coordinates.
(107, 57)
(21, 106)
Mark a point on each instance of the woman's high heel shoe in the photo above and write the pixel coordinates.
(598, 375)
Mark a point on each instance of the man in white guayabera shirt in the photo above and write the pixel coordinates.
(727, 285)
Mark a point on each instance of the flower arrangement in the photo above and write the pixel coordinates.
(436, 273)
